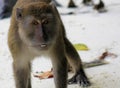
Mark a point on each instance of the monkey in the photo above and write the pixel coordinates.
(100, 7)
(71, 4)
(36, 29)
(7, 8)
(87, 2)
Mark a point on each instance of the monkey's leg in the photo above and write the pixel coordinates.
(60, 70)
(74, 61)
(22, 74)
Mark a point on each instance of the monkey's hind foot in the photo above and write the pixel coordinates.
(80, 78)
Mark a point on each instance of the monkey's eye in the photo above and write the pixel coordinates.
(44, 21)
(35, 22)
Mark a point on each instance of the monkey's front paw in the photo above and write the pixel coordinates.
(80, 79)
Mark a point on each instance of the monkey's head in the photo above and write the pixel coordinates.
(38, 25)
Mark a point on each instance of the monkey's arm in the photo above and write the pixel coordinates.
(75, 62)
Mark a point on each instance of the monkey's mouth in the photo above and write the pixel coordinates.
(40, 46)
(43, 45)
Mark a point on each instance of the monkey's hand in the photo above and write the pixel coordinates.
(79, 78)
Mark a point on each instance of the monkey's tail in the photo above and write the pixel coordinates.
(94, 63)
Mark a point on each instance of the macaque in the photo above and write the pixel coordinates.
(71, 4)
(100, 7)
(87, 2)
(36, 29)
(7, 8)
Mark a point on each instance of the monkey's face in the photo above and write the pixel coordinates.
(37, 25)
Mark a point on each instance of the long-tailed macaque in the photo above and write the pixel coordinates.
(36, 30)
(100, 7)
(87, 2)
(71, 4)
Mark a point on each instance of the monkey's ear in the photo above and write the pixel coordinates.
(19, 13)
(54, 9)
(52, 4)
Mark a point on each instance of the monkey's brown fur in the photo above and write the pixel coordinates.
(36, 29)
